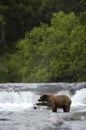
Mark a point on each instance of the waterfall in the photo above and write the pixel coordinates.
(15, 100)
(17, 96)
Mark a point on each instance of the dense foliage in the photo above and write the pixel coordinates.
(41, 43)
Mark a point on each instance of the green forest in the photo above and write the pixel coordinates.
(42, 41)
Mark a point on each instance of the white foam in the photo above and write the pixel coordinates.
(16, 100)
(79, 98)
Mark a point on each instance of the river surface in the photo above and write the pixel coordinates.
(18, 110)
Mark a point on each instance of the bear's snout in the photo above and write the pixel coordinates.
(39, 100)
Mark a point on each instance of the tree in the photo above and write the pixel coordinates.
(38, 44)
(51, 53)
(2, 32)
(78, 53)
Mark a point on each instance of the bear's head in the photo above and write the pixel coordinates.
(43, 98)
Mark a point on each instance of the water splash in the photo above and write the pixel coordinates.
(79, 98)
(14, 100)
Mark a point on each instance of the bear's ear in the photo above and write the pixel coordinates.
(44, 95)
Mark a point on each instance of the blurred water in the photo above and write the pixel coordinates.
(11, 100)
(17, 107)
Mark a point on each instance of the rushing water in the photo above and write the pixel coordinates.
(17, 111)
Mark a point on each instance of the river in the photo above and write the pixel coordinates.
(18, 110)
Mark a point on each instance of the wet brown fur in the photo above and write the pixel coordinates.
(57, 101)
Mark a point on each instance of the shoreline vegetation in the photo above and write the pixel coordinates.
(42, 41)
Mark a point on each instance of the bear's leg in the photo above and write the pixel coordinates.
(66, 108)
(54, 108)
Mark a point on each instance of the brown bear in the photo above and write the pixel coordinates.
(57, 101)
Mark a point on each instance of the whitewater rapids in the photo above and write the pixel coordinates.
(17, 107)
